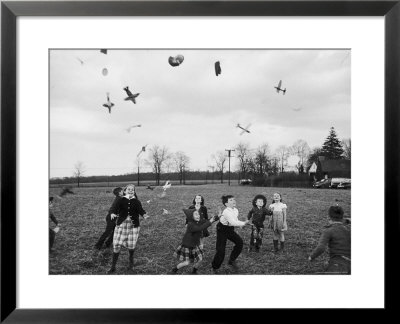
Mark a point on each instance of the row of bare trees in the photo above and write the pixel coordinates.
(258, 161)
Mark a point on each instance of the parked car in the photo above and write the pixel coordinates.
(341, 183)
(324, 183)
(245, 181)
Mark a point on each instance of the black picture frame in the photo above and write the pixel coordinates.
(11, 10)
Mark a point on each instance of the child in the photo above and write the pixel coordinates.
(337, 237)
(278, 221)
(198, 204)
(226, 231)
(127, 224)
(189, 251)
(109, 231)
(52, 232)
(257, 215)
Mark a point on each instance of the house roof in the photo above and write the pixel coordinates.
(335, 165)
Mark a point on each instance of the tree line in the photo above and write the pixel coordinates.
(250, 163)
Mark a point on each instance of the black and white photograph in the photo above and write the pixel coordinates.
(178, 161)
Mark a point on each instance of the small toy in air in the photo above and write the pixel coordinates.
(176, 61)
(278, 88)
(142, 150)
(103, 50)
(150, 188)
(104, 71)
(167, 185)
(244, 129)
(108, 104)
(133, 126)
(131, 96)
(80, 60)
(217, 68)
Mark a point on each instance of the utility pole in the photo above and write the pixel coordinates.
(229, 170)
(138, 161)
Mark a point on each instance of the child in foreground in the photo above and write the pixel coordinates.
(52, 232)
(337, 237)
(127, 226)
(190, 251)
(108, 234)
(278, 222)
(257, 216)
(226, 231)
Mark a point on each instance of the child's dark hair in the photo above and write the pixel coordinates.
(264, 199)
(117, 190)
(225, 199)
(202, 200)
(51, 199)
(336, 212)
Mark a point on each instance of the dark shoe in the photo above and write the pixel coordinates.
(282, 246)
(276, 246)
(174, 270)
(114, 263)
(130, 267)
(194, 271)
(234, 265)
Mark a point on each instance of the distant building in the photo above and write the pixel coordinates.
(330, 169)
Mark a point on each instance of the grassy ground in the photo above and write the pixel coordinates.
(82, 219)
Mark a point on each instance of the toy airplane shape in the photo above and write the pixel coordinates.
(167, 185)
(149, 187)
(133, 126)
(278, 88)
(130, 95)
(244, 129)
(217, 66)
(142, 150)
(109, 104)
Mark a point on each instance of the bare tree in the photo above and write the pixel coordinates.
(301, 149)
(282, 153)
(346, 144)
(157, 158)
(261, 159)
(181, 161)
(220, 160)
(243, 154)
(79, 171)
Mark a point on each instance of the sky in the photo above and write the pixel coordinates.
(188, 108)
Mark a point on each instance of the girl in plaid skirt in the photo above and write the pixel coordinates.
(127, 227)
(189, 251)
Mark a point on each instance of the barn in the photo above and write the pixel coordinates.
(330, 169)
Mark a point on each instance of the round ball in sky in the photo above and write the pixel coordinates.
(105, 71)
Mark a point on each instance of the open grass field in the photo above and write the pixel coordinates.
(82, 219)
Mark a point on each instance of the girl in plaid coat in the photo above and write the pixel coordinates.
(189, 251)
(127, 227)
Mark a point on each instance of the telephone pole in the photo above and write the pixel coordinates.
(229, 163)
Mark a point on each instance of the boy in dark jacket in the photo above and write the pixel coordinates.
(52, 232)
(337, 237)
(109, 231)
(189, 251)
(257, 216)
